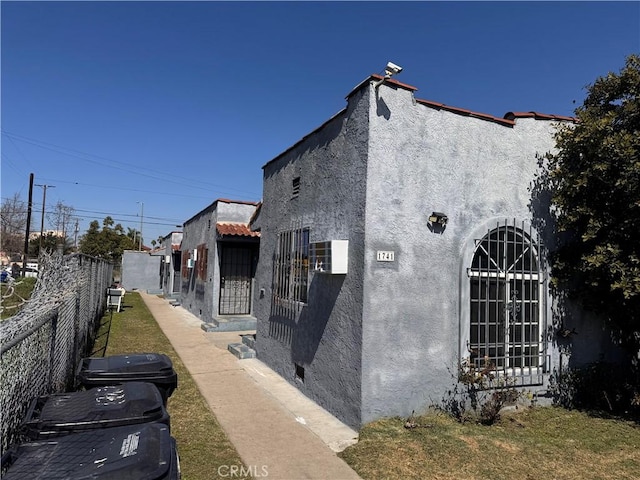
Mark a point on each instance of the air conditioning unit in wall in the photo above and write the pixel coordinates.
(330, 256)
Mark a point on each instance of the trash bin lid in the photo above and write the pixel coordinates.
(141, 452)
(99, 407)
(131, 363)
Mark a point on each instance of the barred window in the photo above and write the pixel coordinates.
(291, 273)
(506, 314)
(201, 263)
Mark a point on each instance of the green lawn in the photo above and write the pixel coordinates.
(14, 295)
(202, 444)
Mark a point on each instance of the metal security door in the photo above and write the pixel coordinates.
(235, 281)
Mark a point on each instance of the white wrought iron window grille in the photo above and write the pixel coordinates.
(507, 304)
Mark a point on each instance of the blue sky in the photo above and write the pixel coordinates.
(160, 108)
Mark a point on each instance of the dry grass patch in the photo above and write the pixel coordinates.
(202, 443)
(525, 444)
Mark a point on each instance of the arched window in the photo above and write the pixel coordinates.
(506, 308)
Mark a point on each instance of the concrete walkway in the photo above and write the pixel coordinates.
(275, 429)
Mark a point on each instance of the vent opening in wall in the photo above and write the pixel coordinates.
(295, 187)
(299, 372)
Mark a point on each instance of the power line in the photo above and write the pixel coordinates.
(110, 187)
(135, 216)
(189, 182)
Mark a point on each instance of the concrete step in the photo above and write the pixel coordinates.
(249, 340)
(230, 324)
(241, 351)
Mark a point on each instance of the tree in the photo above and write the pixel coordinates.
(13, 225)
(158, 241)
(51, 242)
(108, 242)
(594, 179)
(134, 235)
(63, 218)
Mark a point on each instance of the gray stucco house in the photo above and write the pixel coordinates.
(140, 270)
(171, 265)
(398, 239)
(218, 255)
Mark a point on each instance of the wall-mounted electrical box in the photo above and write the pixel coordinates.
(330, 256)
(190, 263)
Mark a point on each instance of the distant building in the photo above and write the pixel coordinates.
(55, 233)
(171, 264)
(218, 255)
(141, 270)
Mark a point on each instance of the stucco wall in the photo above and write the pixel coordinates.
(387, 338)
(325, 336)
(141, 271)
(171, 269)
(423, 160)
(201, 296)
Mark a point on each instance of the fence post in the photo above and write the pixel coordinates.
(52, 348)
(76, 341)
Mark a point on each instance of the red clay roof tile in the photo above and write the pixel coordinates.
(235, 229)
(468, 113)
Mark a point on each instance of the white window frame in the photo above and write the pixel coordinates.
(527, 368)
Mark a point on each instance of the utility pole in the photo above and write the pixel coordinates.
(26, 237)
(141, 216)
(44, 199)
(75, 237)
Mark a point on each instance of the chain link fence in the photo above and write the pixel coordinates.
(42, 345)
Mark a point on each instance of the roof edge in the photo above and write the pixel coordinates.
(214, 204)
(376, 77)
(468, 113)
(540, 116)
(284, 152)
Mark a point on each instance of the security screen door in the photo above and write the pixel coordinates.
(235, 280)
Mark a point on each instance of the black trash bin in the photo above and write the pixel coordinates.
(155, 368)
(100, 407)
(133, 452)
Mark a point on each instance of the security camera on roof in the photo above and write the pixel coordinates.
(392, 69)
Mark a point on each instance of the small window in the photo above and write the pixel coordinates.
(299, 373)
(296, 187)
(291, 266)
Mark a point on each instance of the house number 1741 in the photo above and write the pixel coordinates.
(385, 256)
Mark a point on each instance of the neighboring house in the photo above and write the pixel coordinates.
(219, 254)
(171, 265)
(140, 270)
(429, 255)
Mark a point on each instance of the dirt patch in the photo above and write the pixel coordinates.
(471, 442)
(507, 446)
